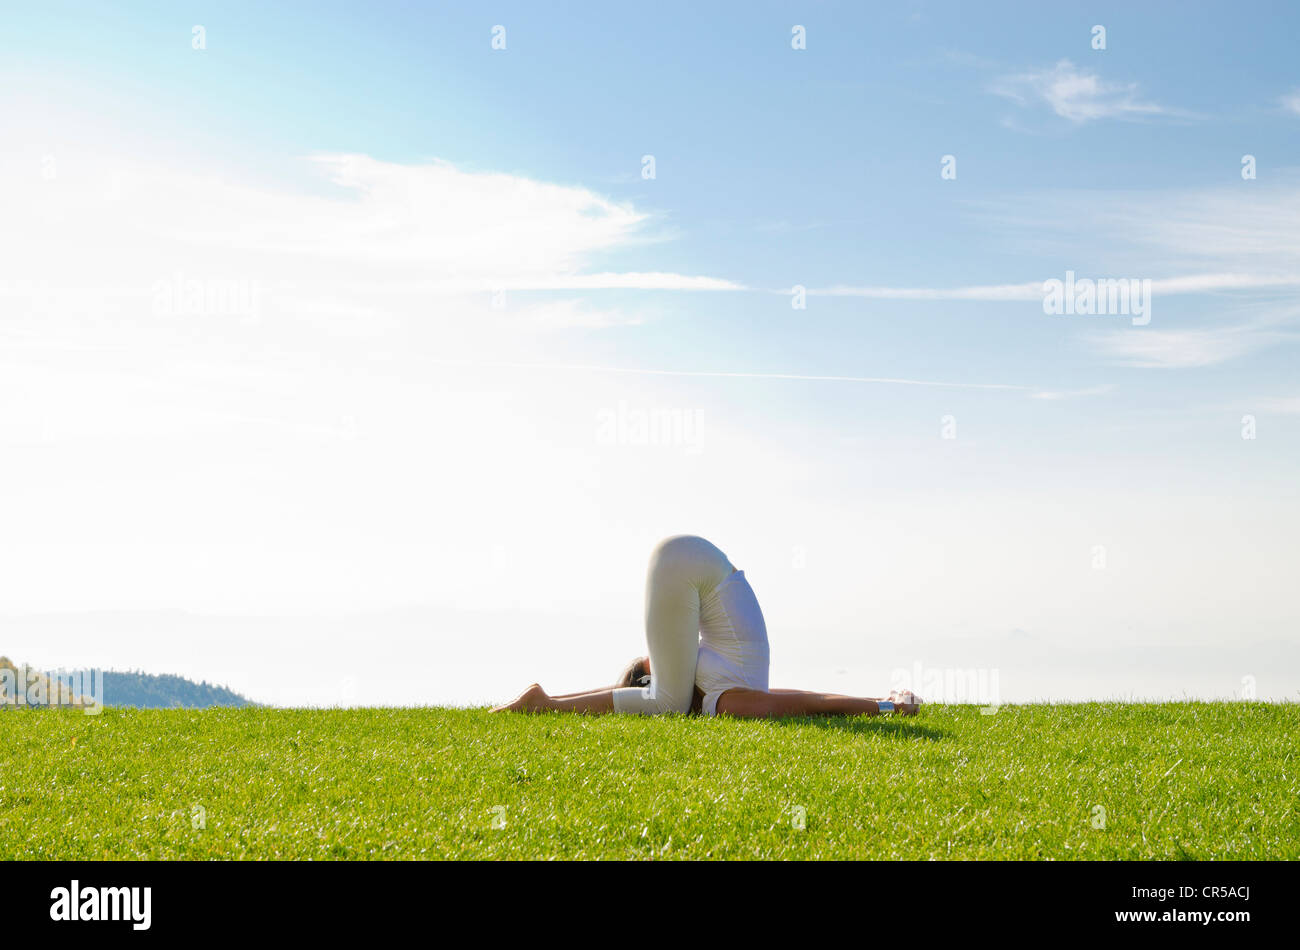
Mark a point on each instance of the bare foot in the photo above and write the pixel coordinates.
(533, 699)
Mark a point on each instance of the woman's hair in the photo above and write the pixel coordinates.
(635, 672)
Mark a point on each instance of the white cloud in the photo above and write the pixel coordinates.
(1191, 348)
(714, 374)
(372, 231)
(1030, 290)
(1284, 405)
(1056, 395)
(1291, 101)
(1248, 232)
(1033, 290)
(1076, 94)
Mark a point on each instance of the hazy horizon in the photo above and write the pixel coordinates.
(1016, 667)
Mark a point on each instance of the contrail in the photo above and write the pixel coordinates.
(637, 371)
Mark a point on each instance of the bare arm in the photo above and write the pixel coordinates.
(779, 703)
(816, 694)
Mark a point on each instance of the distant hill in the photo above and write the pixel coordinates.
(146, 690)
(167, 691)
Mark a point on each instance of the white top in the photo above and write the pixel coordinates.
(733, 642)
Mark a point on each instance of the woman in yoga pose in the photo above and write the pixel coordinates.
(708, 651)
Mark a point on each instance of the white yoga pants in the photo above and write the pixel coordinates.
(684, 572)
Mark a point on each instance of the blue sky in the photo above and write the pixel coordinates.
(378, 437)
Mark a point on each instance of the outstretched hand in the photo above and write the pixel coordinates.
(906, 702)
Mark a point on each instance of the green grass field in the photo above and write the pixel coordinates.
(1176, 780)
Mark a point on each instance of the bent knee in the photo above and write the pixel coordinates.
(676, 545)
(682, 553)
(663, 705)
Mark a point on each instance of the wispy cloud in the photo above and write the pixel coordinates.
(1242, 240)
(1030, 290)
(1202, 346)
(1059, 394)
(1033, 290)
(1283, 405)
(1077, 94)
(1291, 101)
(718, 374)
